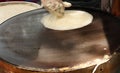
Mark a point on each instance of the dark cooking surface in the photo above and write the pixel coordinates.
(24, 41)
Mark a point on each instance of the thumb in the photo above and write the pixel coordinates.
(67, 4)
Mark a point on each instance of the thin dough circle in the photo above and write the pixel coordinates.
(73, 19)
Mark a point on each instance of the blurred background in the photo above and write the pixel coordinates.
(112, 6)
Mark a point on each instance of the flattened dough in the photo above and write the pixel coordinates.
(13, 8)
(73, 19)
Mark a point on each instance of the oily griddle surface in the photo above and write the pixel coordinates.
(24, 41)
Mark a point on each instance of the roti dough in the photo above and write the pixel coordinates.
(72, 19)
(13, 8)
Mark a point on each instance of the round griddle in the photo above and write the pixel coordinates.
(27, 44)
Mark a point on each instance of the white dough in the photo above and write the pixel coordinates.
(12, 8)
(72, 19)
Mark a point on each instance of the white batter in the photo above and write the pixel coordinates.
(9, 10)
(72, 19)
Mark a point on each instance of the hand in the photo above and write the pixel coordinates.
(56, 7)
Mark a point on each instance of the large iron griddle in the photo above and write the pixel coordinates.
(26, 43)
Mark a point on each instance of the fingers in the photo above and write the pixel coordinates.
(67, 4)
(52, 2)
(55, 7)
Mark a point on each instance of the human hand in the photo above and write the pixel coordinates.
(56, 7)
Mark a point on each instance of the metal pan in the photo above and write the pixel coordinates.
(27, 44)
